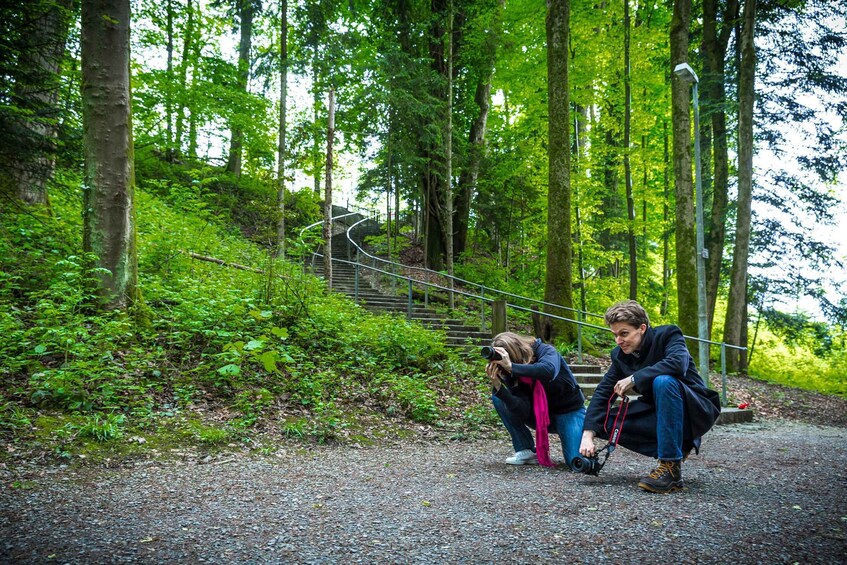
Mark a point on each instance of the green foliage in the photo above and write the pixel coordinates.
(255, 346)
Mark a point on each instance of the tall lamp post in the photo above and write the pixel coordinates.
(688, 76)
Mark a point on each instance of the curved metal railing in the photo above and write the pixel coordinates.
(482, 298)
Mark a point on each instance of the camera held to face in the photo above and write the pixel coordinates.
(489, 353)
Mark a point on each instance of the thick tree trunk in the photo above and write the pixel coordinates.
(282, 150)
(330, 132)
(686, 245)
(37, 91)
(236, 142)
(108, 199)
(736, 311)
(558, 287)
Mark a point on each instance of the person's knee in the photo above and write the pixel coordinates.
(663, 382)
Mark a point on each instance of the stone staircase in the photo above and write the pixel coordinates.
(459, 333)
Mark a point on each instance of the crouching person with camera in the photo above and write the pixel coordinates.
(675, 408)
(533, 387)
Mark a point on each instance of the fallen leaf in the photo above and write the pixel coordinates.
(426, 503)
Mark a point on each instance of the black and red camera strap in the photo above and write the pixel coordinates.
(617, 425)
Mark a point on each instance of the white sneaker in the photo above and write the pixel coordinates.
(525, 457)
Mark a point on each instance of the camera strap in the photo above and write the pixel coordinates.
(617, 425)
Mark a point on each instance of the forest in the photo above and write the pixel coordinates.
(557, 151)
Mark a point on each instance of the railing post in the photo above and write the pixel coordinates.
(356, 283)
(723, 374)
(498, 317)
(579, 341)
(482, 307)
(409, 315)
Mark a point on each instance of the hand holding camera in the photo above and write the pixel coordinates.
(499, 365)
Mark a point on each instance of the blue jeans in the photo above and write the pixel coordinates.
(567, 425)
(670, 417)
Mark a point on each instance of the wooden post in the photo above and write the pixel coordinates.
(498, 317)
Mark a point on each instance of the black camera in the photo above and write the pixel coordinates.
(587, 465)
(489, 353)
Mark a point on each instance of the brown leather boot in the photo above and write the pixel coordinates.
(667, 477)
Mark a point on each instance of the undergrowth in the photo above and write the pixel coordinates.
(231, 354)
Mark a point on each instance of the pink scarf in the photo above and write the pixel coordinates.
(542, 421)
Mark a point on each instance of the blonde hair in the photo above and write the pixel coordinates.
(629, 312)
(517, 346)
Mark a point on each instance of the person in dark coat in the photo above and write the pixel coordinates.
(675, 408)
(533, 387)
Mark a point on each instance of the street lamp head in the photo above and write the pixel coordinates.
(686, 73)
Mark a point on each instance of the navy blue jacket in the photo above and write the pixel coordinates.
(550, 370)
(663, 352)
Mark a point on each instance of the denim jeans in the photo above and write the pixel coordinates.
(567, 425)
(670, 417)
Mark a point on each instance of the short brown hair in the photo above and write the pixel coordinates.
(629, 312)
(517, 346)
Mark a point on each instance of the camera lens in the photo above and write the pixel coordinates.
(489, 353)
(586, 465)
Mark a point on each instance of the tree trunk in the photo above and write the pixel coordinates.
(686, 244)
(666, 229)
(236, 142)
(714, 104)
(169, 80)
(282, 150)
(447, 209)
(108, 199)
(37, 90)
(330, 132)
(316, 151)
(558, 287)
(630, 201)
(476, 139)
(186, 60)
(737, 303)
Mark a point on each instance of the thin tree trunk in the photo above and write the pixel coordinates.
(237, 140)
(476, 139)
(330, 132)
(316, 151)
(737, 303)
(627, 131)
(686, 245)
(282, 149)
(558, 287)
(666, 228)
(448, 156)
(185, 62)
(169, 80)
(714, 103)
(109, 229)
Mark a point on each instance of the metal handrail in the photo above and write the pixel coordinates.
(482, 298)
(482, 287)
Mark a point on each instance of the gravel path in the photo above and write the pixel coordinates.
(769, 492)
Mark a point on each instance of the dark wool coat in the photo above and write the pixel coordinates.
(663, 352)
(550, 370)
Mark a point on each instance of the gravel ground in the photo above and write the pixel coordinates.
(767, 492)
